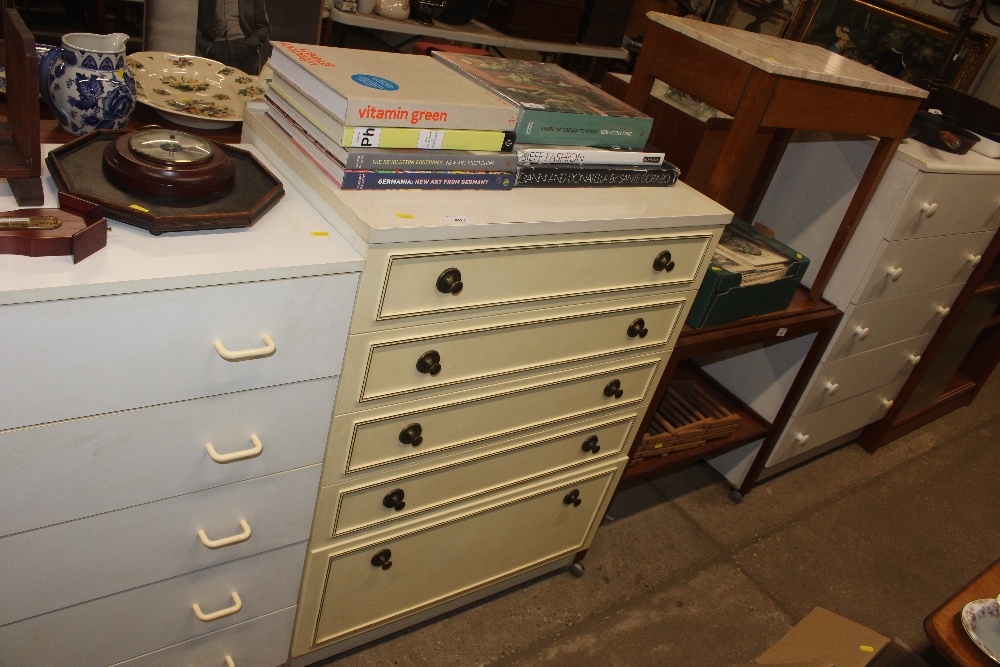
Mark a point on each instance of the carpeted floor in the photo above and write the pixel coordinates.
(682, 577)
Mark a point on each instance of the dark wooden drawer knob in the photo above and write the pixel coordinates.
(381, 559)
(429, 363)
(637, 328)
(450, 282)
(663, 262)
(590, 445)
(573, 498)
(394, 500)
(411, 435)
(614, 389)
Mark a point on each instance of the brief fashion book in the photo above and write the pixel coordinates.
(372, 88)
(555, 106)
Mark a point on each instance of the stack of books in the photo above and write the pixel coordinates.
(389, 121)
(569, 132)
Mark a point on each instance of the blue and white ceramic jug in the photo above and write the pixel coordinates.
(86, 83)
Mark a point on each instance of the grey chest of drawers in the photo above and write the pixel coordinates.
(166, 404)
(503, 349)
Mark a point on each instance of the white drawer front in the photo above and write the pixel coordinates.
(62, 565)
(944, 204)
(136, 350)
(68, 470)
(378, 437)
(344, 509)
(839, 380)
(915, 265)
(817, 428)
(445, 560)
(403, 283)
(878, 323)
(422, 358)
(113, 629)
(262, 642)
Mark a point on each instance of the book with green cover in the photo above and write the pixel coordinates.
(292, 102)
(373, 88)
(555, 106)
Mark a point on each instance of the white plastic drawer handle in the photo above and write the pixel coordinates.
(886, 403)
(241, 455)
(222, 613)
(226, 541)
(831, 388)
(861, 332)
(914, 359)
(894, 273)
(942, 311)
(229, 662)
(929, 209)
(801, 439)
(245, 355)
(975, 259)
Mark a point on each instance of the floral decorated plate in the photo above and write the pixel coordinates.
(191, 90)
(981, 620)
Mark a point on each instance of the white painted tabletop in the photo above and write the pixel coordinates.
(787, 58)
(412, 215)
(291, 240)
(927, 158)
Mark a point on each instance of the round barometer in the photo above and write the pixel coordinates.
(159, 161)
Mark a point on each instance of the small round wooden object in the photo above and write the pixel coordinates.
(156, 161)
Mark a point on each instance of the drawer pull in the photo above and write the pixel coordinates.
(241, 455)
(637, 328)
(975, 259)
(245, 355)
(381, 559)
(801, 439)
(226, 541)
(572, 498)
(229, 662)
(914, 359)
(942, 311)
(929, 209)
(394, 500)
(861, 332)
(614, 389)
(894, 273)
(411, 435)
(590, 445)
(663, 262)
(429, 363)
(886, 403)
(831, 388)
(215, 615)
(450, 282)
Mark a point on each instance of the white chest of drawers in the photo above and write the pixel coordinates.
(158, 497)
(921, 237)
(502, 352)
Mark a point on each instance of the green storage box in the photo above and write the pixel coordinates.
(722, 299)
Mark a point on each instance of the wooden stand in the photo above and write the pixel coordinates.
(20, 147)
(944, 626)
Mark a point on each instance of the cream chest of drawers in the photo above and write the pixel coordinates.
(923, 233)
(166, 404)
(502, 352)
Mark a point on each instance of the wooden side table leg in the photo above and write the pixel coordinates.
(884, 152)
(27, 191)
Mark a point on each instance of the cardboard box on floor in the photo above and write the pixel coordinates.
(824, 639)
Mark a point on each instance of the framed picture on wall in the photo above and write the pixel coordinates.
(899, 41)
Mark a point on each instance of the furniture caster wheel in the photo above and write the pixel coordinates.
(736, 496)
(577, 570)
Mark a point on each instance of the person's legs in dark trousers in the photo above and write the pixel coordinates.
(235, 53)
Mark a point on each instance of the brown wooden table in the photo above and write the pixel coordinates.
(944, 625)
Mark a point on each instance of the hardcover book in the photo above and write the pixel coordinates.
(527, 154)
(369, 179)
(579, 176)
(373, 88)
(297, 106)
(555, 106)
